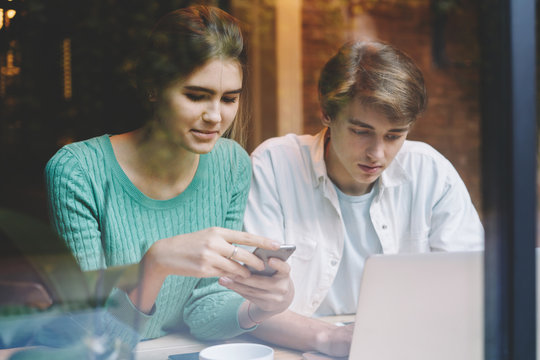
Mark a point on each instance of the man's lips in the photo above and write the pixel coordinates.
(370, 169)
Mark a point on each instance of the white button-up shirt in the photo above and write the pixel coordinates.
(421, 205)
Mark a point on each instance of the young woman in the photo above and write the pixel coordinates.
(355, 189)
(171, 195)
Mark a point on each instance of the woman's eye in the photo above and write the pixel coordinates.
(229, 99)
(194, 97)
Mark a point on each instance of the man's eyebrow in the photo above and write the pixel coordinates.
(210, 91)
(364, 125)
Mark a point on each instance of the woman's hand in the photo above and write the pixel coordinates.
(266, 295)
(206, 253)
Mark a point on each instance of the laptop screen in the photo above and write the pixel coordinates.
(421, 306)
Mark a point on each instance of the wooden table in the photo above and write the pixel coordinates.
(161, 348)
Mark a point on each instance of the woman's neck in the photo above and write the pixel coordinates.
(157, 167)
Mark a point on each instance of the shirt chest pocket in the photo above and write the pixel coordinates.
(415, 243)
(305, 245)
(302, 260)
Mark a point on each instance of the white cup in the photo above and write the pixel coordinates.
(239, 351)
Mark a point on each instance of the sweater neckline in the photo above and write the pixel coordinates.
(120, 176)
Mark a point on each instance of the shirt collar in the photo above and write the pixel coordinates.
(316, 152)
(394, 174)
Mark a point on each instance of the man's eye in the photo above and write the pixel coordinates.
(194, 97)
(359, 132)
(393, 137)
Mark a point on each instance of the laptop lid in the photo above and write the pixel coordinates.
(421, 307)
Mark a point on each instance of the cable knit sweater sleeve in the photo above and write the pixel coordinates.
(74, 212)
(73, 209)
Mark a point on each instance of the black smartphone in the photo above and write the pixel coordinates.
(283, 253)
(189, 356)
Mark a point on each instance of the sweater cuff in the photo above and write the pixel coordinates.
(232, 309)
(221, 324)
(125, 320)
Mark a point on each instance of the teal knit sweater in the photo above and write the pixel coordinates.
(106, 221)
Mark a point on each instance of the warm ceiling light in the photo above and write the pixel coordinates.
(11, 13)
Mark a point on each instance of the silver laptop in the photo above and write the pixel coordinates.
(421, 307)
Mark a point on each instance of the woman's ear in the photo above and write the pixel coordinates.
(326, 120)
(151, 95)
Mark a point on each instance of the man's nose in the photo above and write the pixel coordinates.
(375, 150)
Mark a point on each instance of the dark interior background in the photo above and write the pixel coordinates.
(35, 117)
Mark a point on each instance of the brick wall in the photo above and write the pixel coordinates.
(452, 121)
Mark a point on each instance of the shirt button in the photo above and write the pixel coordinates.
(384, 227)
(333, 262)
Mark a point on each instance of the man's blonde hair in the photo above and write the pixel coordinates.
(378, 75)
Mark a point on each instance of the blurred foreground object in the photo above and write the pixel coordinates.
(46, 300)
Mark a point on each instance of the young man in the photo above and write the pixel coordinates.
(355, 189)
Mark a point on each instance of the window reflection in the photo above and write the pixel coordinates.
(81, 83)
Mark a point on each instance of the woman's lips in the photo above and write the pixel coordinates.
(369, 169)
(204, 134)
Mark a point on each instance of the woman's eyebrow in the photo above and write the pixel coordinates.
(210, 91)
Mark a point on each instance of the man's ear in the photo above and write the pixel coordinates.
(326, 120)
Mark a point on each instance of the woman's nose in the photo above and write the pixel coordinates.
(212, 114)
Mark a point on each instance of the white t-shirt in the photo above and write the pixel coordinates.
(360, 241)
